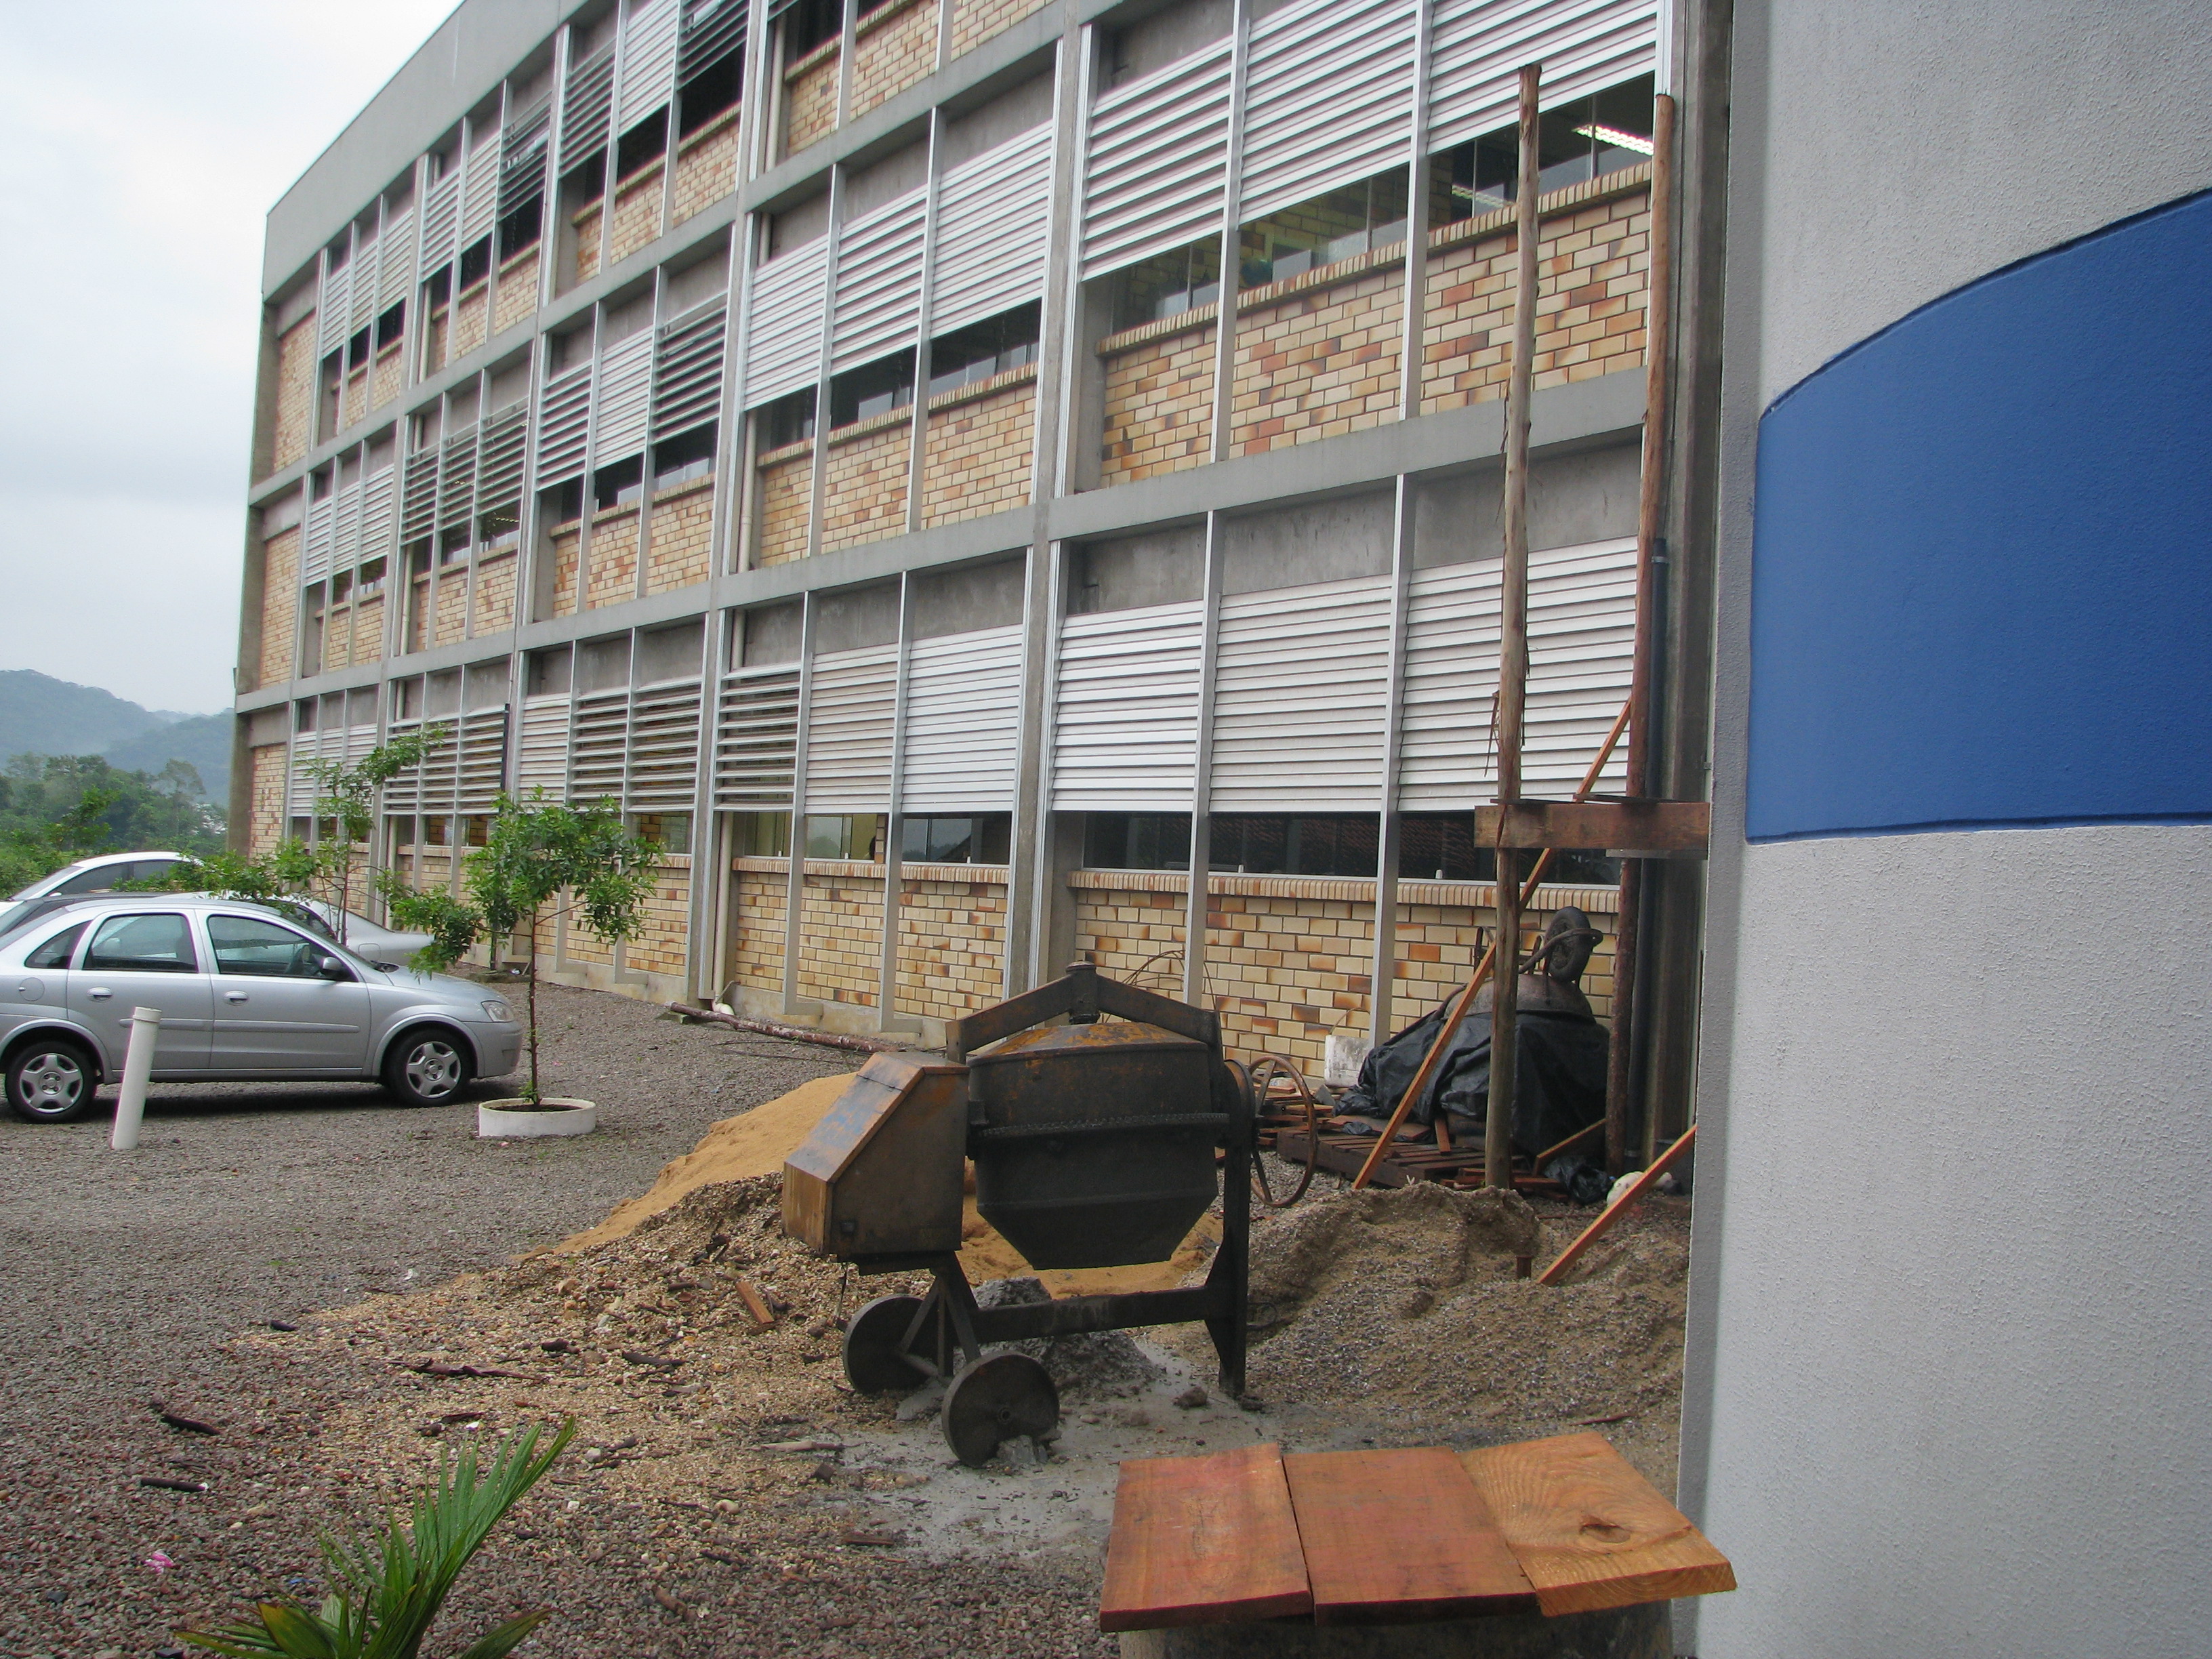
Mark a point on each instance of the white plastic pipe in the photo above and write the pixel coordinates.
(138, 1066)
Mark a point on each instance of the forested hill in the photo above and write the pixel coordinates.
(42, 715)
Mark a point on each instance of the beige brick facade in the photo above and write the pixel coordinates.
(265, 794)
(437, 339)
(787, 486)
(355, 404)
(564, 546)
(843, 922)
(295, 416)
(864, 495)
(338, 638)
(975, 21)
(469, 313)
(679, 553)
(979, 445)
(613, 578)
(587, 239)
(390, 374)
(1159, 399)
(496, 579)
(661, 943)
(636, 218)
(452, 624)
(417, 632)
(517, 291)
(1321, 360)
(895, 47)
(810, 98)
(755, 955)
(368, 629)
(705, 167)
(280, 605)
(952, 940)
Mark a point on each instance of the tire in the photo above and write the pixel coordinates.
(428, 1067)
(52, 1079)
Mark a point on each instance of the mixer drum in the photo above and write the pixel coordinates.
(1096, 1144)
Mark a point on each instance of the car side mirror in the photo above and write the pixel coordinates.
(331, 968)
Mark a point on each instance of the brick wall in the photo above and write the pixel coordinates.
(437, 339)
(588, 241)
(469, 317)
(564, 571)
(517, 291)
(453, 623)
(368, 629)
(787, 484)
(389, 374)
(975, 21)
(280, 605)
(264, 793)
(1318, 361)
(978, 440)
(496, 579)
(705, 167)
(614, 558)
(295, 393)
(337, 637)
(756, 943)
(664, 936)
(637, 214)
(843, 923)
(417, 636)
(864, 496)
(683, 535)
(896, 46)
(1159, 400)
(1592, 274)
(951, 946)
(355, 404)
(810, 98)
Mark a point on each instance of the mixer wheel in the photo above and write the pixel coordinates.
(872, 1340)
(997, 1398)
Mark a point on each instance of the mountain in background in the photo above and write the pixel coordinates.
(42, 715)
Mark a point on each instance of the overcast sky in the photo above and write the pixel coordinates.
(149, 140)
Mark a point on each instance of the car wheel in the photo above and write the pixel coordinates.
(427, 1067)
(51, 1081)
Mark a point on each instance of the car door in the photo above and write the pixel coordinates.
(275, 1008)
(145, 959)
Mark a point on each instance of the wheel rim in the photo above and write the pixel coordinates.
(1001, 1396)
(872, 1364)
(433, 1069)
(51, 1084)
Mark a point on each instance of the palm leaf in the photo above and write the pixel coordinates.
(497, 1643)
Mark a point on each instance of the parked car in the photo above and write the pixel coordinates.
(246, 994)
(364, 937)
(97, 875)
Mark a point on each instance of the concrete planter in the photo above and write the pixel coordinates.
(517, 1119)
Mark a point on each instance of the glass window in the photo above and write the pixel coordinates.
(1167, 284)
(858, 836)
(142, 945)
(760, 834)
(982, 349)
(262, 949)
(1585, 138)
(872, 389)
(1137, 841)
(982, 839)
(680, 459)
(789, 420)
(1353, 220)
(57, 951)
(100, 878)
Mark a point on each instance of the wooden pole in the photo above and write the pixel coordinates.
(1618, 1208)
(1658, 319)
(1513, 650)
(1442, 1040)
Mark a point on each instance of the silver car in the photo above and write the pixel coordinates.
(244, 996)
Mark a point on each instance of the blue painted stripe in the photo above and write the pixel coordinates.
(1982, 569)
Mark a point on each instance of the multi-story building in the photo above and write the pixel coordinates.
(946, 460)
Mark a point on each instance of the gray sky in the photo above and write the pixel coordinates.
(150, 139)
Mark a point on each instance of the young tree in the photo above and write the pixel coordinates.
(534, 853)
(345, 807)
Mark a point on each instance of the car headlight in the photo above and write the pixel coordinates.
(494, 1009)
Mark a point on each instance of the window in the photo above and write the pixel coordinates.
(860, 836)
(435, 830)
(983, 839)
(357, 350)
(760, 834)
(476, 264)
(982, 349)
(100, 878)
(1440, 846)
(57, 951)
(711, 90)
(789, 420)
(565, 503)
(622, 481)
(261, 950)
(670, 831)
(371, 580)
(1137, 841)
(520, 230)
(872, 389)
(454, 545)
(500, 527)
(1167, 284)
(807, 24)
(1337, 226)
(1579, 140)
(400, 832)
(391, 325)
(645, 143)
(141, 945)
(1265, 846)
(438, 292)
(687, 456)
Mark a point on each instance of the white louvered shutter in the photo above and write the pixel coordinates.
(598, 751)
(756, 738)
(441, 220)
(564, 413)
(542, 755)
(1157, 161)
(300, 785)
(587, 106)
(783, 346)
(418, 512)
(1328, 99)
(664, 747)
(994, 221)
(1301, 686)
(336, 307)
(404, 793)
(879, 282)
(315, 540)
(480, 189)
(395, 273)
(364, 283)
(345, 534)
(439, 781)
(625, 383)
(649, 73)
(850, 706)
(482, 760)
(457, 480)
(1125, 710)
(687, 369)
(498, 470)
(1478, 49)
(375, 539)
(963, 703)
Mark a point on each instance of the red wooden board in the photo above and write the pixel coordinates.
(1202, 1541)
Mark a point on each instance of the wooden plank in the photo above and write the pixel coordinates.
(1647, 826)
(1203, 1541)
(1590, 1532)
(1392, 1537)
(1619, 1208)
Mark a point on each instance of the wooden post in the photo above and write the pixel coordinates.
(1658, 316)
(1513, 651)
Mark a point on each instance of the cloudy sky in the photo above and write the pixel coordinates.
(149, 139)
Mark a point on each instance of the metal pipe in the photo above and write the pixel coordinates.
(137, 1067)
